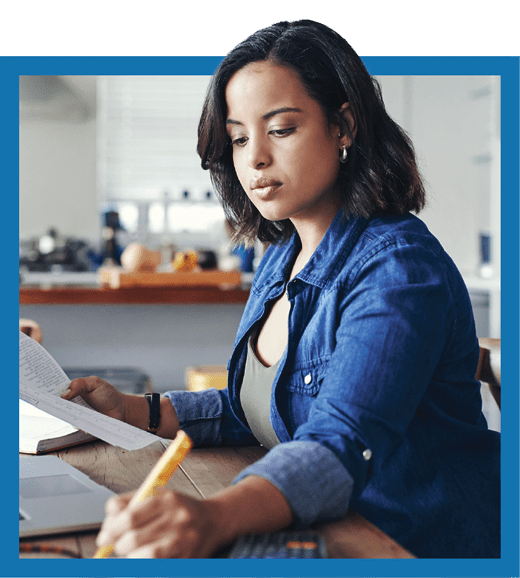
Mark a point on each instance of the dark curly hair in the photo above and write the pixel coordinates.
(380, 175)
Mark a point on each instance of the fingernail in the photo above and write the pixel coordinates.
(65, 393)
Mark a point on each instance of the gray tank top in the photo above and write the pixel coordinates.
(255, 397)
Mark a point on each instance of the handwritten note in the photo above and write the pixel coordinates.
(42, 380)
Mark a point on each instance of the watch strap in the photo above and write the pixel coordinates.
(154, 403)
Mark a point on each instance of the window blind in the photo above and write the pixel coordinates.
(147, 137)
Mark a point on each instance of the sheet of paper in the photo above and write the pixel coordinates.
(41, 382)
(40, 371)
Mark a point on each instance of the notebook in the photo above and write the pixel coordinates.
(55, 498)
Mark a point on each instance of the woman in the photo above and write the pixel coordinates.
(355, 358)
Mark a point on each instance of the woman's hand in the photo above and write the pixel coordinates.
(173, 525)
(167, 525)
(99, 394)
(132, 409)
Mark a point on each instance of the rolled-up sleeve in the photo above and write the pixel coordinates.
(312, 479)
(310, 476)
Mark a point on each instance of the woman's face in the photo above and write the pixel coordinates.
(285, 152)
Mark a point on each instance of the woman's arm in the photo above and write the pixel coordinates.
(173, 525)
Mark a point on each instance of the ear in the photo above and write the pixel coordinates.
(348, 127)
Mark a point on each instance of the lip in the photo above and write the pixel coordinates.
(264, 187)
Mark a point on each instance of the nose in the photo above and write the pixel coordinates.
(259, 153)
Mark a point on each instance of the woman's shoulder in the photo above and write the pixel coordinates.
(350, 245)
(399, 226)
(402, 245)
(393, 233)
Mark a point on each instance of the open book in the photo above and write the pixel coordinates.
(41, 432)
(59, 422)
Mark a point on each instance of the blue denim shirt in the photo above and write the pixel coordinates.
(375, 400)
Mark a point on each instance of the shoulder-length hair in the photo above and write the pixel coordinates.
(380, 175)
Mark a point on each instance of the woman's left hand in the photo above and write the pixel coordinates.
(167, 525)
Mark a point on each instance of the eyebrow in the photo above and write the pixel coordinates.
(269, 114)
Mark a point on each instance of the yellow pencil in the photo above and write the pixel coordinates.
(158, 477)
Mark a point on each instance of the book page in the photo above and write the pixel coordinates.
(41, 382)
(38, 424)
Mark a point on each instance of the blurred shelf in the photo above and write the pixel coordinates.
(75, 295)
(54, 278)
(118, 278)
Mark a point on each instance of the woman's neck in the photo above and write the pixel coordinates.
(311, 232)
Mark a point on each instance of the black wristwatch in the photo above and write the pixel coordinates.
(154, 401)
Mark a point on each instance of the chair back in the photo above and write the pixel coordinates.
(488, 370)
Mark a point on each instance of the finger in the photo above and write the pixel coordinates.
(74, 389)
(155, 549)
(113, 510)
(82, 385)
(124, 517)
(125, 548)
(112, 527)
(155, 539)
(66, 394)
(117, 503)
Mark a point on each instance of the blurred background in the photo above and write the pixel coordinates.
(113, 159)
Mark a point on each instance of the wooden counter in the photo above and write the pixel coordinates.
(66, 295)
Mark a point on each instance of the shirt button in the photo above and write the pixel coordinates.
(367, 454)
(308, 378)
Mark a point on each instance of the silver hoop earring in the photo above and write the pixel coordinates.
(344, 155)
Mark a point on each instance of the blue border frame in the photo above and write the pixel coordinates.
(505, 67)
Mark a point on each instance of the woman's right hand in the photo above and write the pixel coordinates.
(99, 394)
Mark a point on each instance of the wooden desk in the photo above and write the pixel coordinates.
(204, 472)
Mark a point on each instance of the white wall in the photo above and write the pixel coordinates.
(453, 126)
(58, 178)
(454, 123)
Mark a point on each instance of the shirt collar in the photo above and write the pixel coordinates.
(333, 250)
(328, 258)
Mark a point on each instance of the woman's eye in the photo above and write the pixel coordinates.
(281, 132)
(239, 141)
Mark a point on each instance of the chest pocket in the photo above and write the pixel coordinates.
(307, 379)
(301, 388)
